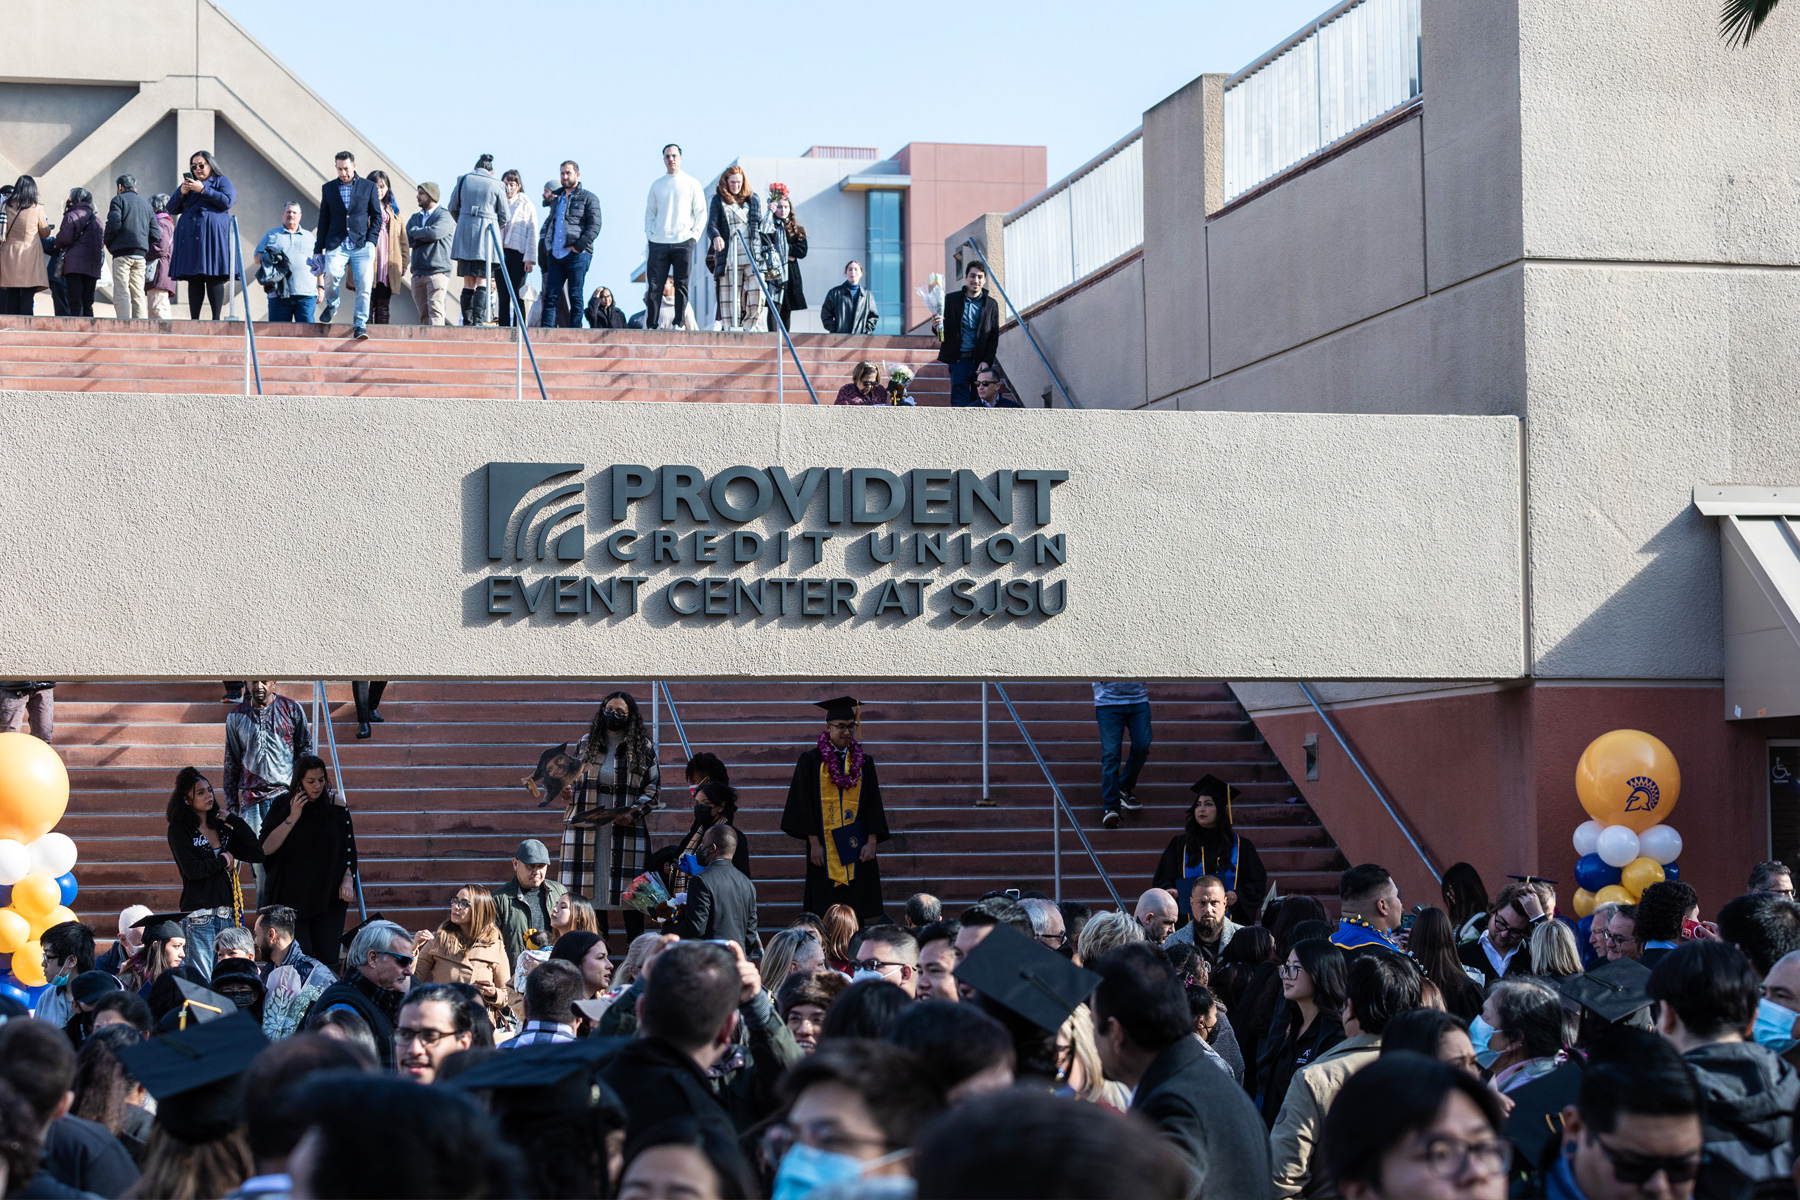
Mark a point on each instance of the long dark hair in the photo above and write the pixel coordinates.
(637, 743)
(1433, 944)
(180, 812)
(101, 1081)
(24, 194)
(1464, 893)
(723, 797)
(304, 764)
(1296, 909)
(1215, 841)
(212, 164)
(1324, 964)
(380, 176)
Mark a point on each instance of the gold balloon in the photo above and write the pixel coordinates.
(55, 916)
(1628, 778)
(15, 931)
(35, 896)
(1612, 893)
(28, 965)
(34, 788)
(1639, 874)
(1584, 902)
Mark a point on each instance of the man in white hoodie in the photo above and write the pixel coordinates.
(673, 218)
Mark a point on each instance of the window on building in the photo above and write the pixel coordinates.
(887, 261)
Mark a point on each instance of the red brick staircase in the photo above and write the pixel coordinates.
(438, 801)
(207, 357)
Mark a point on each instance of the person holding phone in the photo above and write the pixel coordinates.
(202, 211)
(606, 838)
(309, 845)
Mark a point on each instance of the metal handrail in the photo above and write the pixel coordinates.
(1020, 318)
(251, 364)
(780, 326)
(674, 716)
(520, 319)
(322, 720)
(1357, 763)
(1056, 791)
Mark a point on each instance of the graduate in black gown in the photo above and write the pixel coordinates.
(834, 806)
(1210, 846)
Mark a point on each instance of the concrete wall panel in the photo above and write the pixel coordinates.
(148, 159)
(41, 122)
(1095, 339)
(1647, 138)
(1630, 405)
(1355, 546)
(1183, 161)
(1471, 133)
(1332, 247)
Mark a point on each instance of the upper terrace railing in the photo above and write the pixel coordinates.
(1355, 64)
(1074, 228)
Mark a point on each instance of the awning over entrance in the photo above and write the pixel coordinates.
(1759, 530)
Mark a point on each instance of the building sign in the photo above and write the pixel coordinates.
(755, 542)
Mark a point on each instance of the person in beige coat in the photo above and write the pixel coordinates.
(22, 264)
(466, 948)
(1381, 985)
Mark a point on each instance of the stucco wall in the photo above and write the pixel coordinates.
(1095, 340)
(1199, 545)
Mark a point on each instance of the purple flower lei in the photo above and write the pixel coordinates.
(846, 769)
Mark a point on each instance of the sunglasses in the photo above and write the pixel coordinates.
(405, 960)
(1636, 1169)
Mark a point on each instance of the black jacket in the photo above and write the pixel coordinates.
(1209, 1120)
(987, 329)
(721, 904)
(361, 221)
(660, 1083)
(599, 318)
(1252, 881)
(717, 226)
(1283, 1053)
(131, 228)
(1750, 1096)
(377, 1006)
(840, 315)
(205, 883)
(581, 221)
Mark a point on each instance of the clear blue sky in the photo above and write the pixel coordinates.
(609, 83)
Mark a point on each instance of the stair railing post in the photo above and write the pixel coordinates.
(655, 719)
(1056, 847)
(986, 795)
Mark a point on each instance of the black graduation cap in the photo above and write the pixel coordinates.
(1611, 992)
(89, 986)
(350, 933)
(152, 926)
(198, 1006)
(547, 1079)
(1535, 1122)
(1220, 791)
(1025, 976)
(843, 708)
(194, 1074)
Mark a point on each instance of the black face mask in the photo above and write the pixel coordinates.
(616, 721)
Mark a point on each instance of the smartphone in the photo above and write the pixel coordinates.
(188, 175)
(1689, 927)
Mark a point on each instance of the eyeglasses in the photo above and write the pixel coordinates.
(1635, 1169)
(820, 1135)
(459, 902)
(987, 383)
(842, 726)
(425, 1037)
(405, 960)
(1053, 940)
(1289, 970)
(1449, 1158)
(876, 965)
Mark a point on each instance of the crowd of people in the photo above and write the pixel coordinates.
(487, 227)
(1216, 1040)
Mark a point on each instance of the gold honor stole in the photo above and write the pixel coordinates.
(837, 808)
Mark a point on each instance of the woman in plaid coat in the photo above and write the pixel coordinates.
(606, 838)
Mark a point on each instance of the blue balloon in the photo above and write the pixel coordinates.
(1672, 872)
(10, 988)
(1592, 873)
(68, 886)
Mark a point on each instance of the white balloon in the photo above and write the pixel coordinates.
(1617, 845)
(53, 855)
(1587, 836)
(15, 862)
(1661, 843)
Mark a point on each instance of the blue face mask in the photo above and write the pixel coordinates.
(805, 1170)
(59, 981)
(1481, 1035)
(1774, 1026)
(690, 864)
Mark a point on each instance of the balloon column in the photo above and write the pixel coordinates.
(36, 866)
(1628, 783)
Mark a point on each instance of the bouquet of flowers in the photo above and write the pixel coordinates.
(647, 892)
(933, 296)
(899, 377)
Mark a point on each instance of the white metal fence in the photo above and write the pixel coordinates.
(1080, 225)
(1357, 62)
